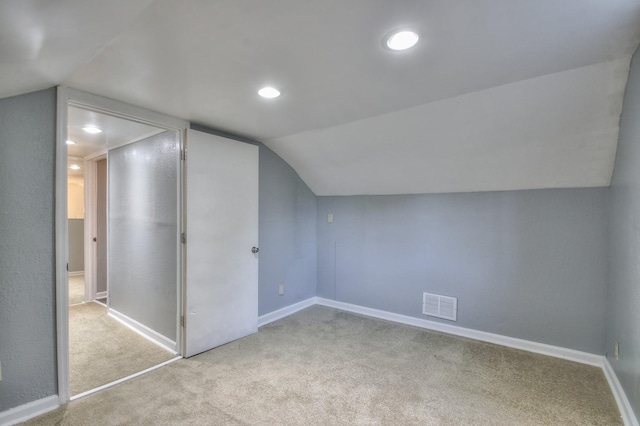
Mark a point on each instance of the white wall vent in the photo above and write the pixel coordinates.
(439, 306)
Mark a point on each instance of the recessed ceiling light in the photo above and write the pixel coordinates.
(402, 40)
(69, 142)
(74, 167)
(269, 92)
(92, 129)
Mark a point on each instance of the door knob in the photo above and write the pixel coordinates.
(254, 250)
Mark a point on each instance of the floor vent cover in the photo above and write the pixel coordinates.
(439, 306)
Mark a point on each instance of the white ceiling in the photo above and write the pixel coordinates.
(115, 132)
(498, 94)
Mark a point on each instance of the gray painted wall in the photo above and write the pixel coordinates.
(287, 231)
(76, 245)
(526, 264)
(27, 269)
(623, 309)
(143, 231)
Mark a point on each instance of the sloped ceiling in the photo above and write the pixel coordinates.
(498, 94)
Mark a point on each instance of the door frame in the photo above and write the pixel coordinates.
(90, 224)
(71, 97)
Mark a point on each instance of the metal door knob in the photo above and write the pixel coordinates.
(254, 250)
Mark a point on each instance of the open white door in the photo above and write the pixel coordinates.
(221, 202)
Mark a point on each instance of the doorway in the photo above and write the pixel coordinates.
(129, 163)
(76, 229)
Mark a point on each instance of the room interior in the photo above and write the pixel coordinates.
(495, 162)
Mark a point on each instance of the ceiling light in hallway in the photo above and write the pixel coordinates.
(92, 129)
(402, 40)
(269, 92)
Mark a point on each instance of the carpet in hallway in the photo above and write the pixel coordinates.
(76, 289)
(102, 350)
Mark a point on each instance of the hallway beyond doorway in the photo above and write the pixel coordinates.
(76, 289)
(104, 350)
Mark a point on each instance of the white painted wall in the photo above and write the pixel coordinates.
(75, 197)
(555, 131)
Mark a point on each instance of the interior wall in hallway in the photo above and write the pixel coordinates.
(143, 231)
(76, 245)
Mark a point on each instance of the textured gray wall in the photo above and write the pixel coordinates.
(143, 226)
(623, 309)
(287, 231)
(526, 264)
(76, 245)
(27, 240)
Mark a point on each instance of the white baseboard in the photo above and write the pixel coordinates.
(124, 379)
(149, 334)
(626, 411)
(512, 342)
(97, 302)
(29, 411)
(286, 311)
(75, 273)
(101, 295)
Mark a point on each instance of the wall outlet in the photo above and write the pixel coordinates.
(616, 350)
(280, 289)
(330, 218)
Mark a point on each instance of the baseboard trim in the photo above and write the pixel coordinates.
(124, 379)
(101, 295)
(512, 342)
(75, 273)
(626, 411)
(286, 311)
(149, 334)
(28, 411)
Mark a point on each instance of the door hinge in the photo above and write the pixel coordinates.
(183, 238)
(183, 154)
(182, 321)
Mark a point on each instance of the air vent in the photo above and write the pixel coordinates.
(439, 306)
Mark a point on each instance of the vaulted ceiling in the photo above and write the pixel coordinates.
(496, 95)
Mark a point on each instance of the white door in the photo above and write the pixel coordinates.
(221, 286)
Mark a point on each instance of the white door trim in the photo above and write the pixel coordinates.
(65, 97)
(91, 225)
(62, 248)
(89, 230)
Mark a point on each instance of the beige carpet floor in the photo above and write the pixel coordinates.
(102, 350)
(76, 289)
(326, 367)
